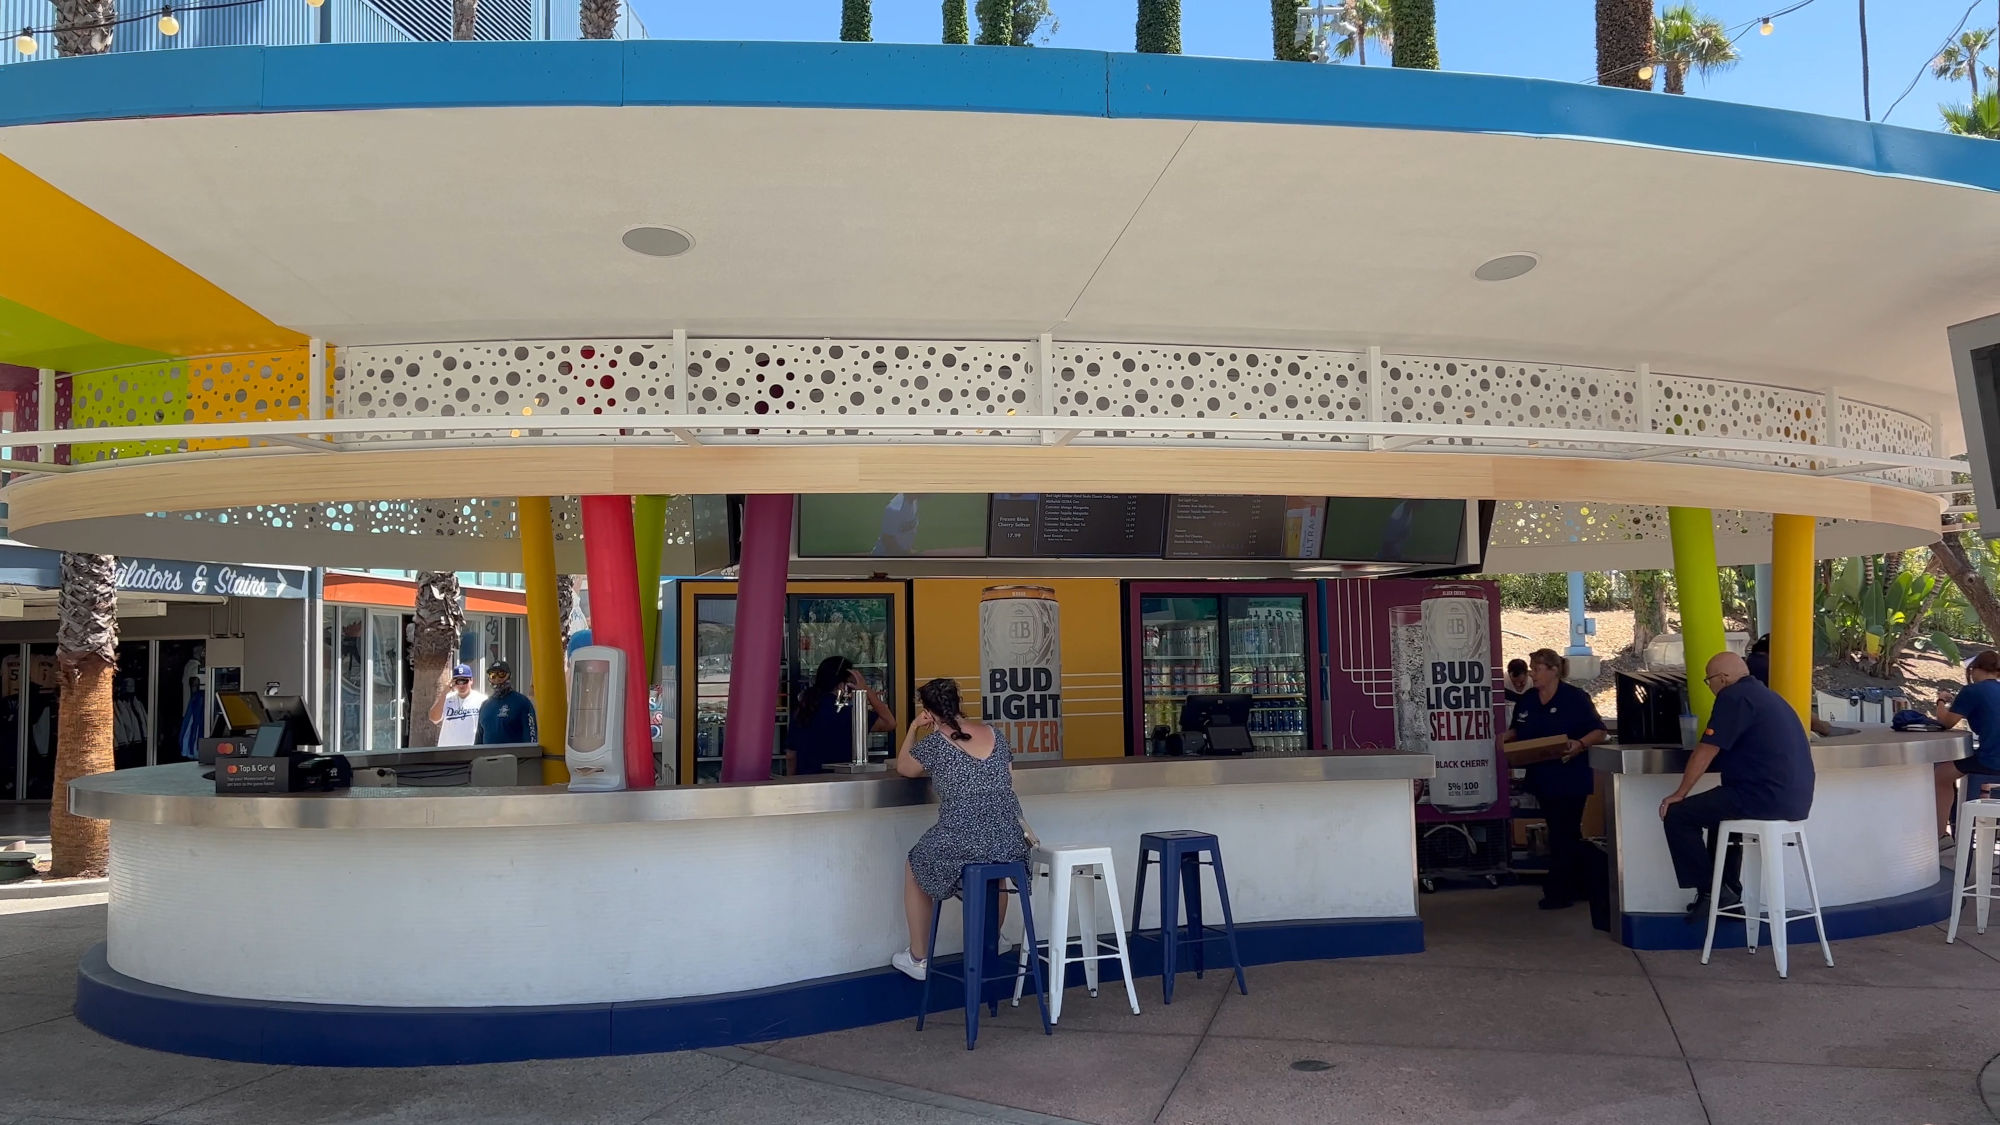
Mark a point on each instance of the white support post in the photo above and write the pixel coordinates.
(1832, 434)
(45, 412)
(1643, 384)
(316, 379)
(1375, 392)
(1936, 422)
(677, 360)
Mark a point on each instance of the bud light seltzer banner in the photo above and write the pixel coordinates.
(1413, 664)
(1020, 666)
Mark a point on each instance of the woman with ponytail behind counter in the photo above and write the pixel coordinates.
(979, 817)
(1554, 708)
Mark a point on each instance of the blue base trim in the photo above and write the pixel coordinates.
(187, 1023)
(1861, 919)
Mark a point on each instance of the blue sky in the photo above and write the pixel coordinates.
(1811, 62)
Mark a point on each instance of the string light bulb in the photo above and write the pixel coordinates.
(314, 3)
(25, 42)
(1765, 27)
(169, 26)
(1646, 73)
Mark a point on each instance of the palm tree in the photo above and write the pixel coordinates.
(598, 19)
(996, 23)
(86, 660)
(83, 27)
(957, 29)
(1688, 40)
(440, 622)
(1370, 19)
(1158, 31)
(1980, 119)
(1416, 41)
(1961, 59)
(1625, 43)
(856, 21)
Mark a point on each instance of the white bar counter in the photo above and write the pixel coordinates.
(1872, 831)
(775, 904)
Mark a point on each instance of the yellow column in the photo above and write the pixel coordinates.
(1700, 591)
(1792, 611)
(538, 572)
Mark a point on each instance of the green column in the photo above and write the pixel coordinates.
(1700, 591)
(649, 540)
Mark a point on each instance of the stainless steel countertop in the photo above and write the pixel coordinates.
(1849, 750)
(178, 794)
(440, 755)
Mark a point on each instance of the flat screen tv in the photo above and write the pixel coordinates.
(1245, 527)
(1366, 529)
(901, 525)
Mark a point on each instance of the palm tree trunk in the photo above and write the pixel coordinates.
(440, 621)
(565, 605)
(1360, 49)
(87, 658)
(957, 29)
(598, 19)
(462, 13)
(996, 23)
(1416, 44)
(1624, 43)
(1676, 78)
(83, 27)
(1158, 31)
(856, 21)
(1285, 45)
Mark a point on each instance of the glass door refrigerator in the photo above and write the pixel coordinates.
(858, 620)
(1204, 638)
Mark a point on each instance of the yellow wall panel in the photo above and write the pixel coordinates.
(946, 614)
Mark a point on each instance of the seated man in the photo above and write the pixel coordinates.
(1767, 774)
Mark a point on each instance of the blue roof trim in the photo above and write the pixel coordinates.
(218, 80)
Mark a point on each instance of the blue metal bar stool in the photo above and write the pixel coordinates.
(1179, 855)
(981, 885)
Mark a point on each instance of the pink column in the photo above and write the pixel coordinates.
(760, 630)
(612, 561)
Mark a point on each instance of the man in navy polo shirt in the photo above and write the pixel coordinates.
(507, 717)
(1767, 774)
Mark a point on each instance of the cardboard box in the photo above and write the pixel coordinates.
(1528, 751)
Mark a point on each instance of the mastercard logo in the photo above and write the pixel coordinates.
(232, 769)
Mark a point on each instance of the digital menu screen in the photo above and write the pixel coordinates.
(716, 523)
(901, 525)
(1365, 529)
(1245, 527)
(1082, 525)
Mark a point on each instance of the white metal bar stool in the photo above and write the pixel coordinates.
(1074, 872)
(1772, 837)
(1978, 823)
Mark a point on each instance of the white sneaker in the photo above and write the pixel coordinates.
(909, 966)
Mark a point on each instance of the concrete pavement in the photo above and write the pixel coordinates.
(1512, 1015)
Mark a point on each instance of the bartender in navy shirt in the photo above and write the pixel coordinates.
(1553, 708)
(1767, 774)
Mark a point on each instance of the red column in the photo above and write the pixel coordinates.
(760, 629)
(614, 619)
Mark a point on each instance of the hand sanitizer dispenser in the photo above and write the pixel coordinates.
(594, 745)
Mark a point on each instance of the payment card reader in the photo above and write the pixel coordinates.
(594, 745)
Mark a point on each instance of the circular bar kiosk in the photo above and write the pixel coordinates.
(1091, 337)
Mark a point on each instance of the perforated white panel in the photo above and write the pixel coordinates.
(1480, 393)
(484, 518)
(520, 379)
(1119, 381)
(1697, 407)
(780, 377)
(1867, 426)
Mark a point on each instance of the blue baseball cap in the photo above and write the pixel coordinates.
(461, 671)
